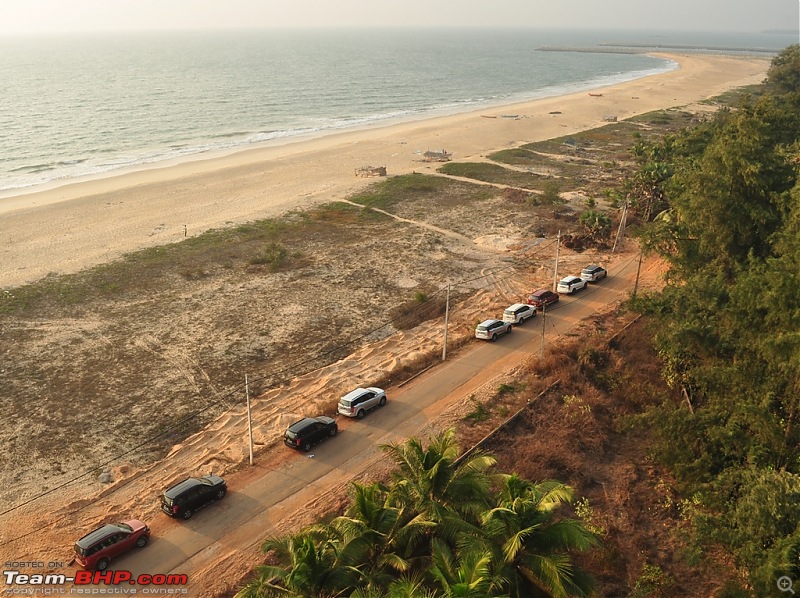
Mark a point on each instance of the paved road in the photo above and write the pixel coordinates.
(222, 540)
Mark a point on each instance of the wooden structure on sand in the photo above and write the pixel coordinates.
(441, 156)
(367, 171)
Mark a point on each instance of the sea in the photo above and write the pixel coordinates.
(85, 105)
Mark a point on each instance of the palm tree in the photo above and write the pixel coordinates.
(400, 588)
(532, 550)
(596, 223)
(307, 567)
(437, 532)
(467, 573)
(435, 483)
(376, 538)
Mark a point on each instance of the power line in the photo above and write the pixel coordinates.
(224, 398)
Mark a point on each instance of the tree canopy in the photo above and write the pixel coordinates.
(729, 325)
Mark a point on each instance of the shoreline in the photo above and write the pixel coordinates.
(15, 198)
(79, 224)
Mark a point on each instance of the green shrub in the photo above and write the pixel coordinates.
(273, 257)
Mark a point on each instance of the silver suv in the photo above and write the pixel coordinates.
(356, 403)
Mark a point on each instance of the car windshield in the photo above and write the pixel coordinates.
(482, 327)
(167, 500)
(79, 551)
(125, 526)
(346, 402)
(290, 435)
(509, 312)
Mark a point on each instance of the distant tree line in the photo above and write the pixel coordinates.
(722, 202)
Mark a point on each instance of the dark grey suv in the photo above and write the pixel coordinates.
(192, 494)
(307, 432)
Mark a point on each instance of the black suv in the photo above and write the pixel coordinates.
(309, 431)
(192, 494)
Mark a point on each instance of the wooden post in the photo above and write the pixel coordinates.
(638, 270)
(621, 228)
(544, 309)
(555, 269)
(249, 417)
(446, 319)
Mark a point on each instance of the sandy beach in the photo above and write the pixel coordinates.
(74, 226)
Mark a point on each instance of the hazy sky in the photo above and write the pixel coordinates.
(27, 16)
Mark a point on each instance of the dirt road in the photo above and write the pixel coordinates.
(220, 544)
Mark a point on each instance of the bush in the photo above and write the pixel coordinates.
(273, 257)
(551, 193)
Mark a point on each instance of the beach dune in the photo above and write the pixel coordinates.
(67, 228)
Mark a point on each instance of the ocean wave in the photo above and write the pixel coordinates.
(34, 168)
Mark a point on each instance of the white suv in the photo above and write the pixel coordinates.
(356, 403)
(518, 313)
(570, 284)
(593, 273)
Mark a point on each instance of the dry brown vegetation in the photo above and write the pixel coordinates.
(577, 424)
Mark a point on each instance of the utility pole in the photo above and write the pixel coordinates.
(544, 309)
(249, 418)
(555, 269)
(621, 228)
(446, 318)
(638, 270)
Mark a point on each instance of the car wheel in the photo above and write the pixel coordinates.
(187, 514)
(307, 446)
(382, 401)
(494, 337)
(332, 432)
(220, 494)
(141, 542)
(360, 414)
(102, 565)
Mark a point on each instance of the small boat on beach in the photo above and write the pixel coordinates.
(596, 95)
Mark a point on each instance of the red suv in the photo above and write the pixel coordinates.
(542, 297)
(96, 549)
